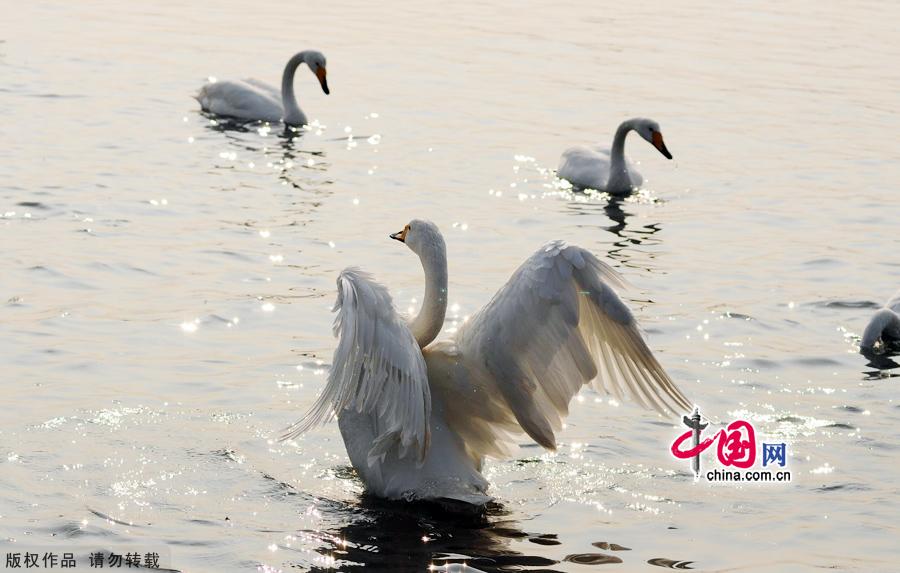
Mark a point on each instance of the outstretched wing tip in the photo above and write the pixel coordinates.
(557, 325)
(319, 413)
(290, 433)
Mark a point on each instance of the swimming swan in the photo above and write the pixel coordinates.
(605, 170)
(884, 328)
(418, 417)
(254, 100)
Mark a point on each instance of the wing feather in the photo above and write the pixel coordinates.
(378, 368)
(241, 99)
(274, 93)
(556, 326)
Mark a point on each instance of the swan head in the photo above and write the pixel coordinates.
(422, 237)
(316, 62)
(649, 130)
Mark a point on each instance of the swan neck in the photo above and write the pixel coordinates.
(428, 323)
(619, 178)
(293, 115)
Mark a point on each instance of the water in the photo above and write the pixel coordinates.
(167, 281)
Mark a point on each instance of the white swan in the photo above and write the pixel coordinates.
(884, 328)
(418, 417)
(252, 99)
(608, 170)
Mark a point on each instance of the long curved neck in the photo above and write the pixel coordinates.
(293, 115)
(428, 323)
(619, 178)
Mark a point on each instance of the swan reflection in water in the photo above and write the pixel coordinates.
(396, 536)
(630, 236)
(276, 149)
(380, 535)
(881, 363)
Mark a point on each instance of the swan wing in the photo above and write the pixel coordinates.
(556, 326)
(378, 369)
(587, 168)
(240, 99)
(262, 86)
(584, 168)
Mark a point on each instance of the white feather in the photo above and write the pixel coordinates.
(554, 327)
(587, 168)
(245, 99)
(378, 369)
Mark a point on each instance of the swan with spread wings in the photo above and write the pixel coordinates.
(418, 417)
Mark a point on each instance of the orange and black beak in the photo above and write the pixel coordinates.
(323, 81)
(401, 236)
(659, 144)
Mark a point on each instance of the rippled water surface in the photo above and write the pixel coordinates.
(167, 280)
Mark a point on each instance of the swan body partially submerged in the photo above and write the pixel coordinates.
(252, 99)
(418, 417)
(608, 170)
(883, 330)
